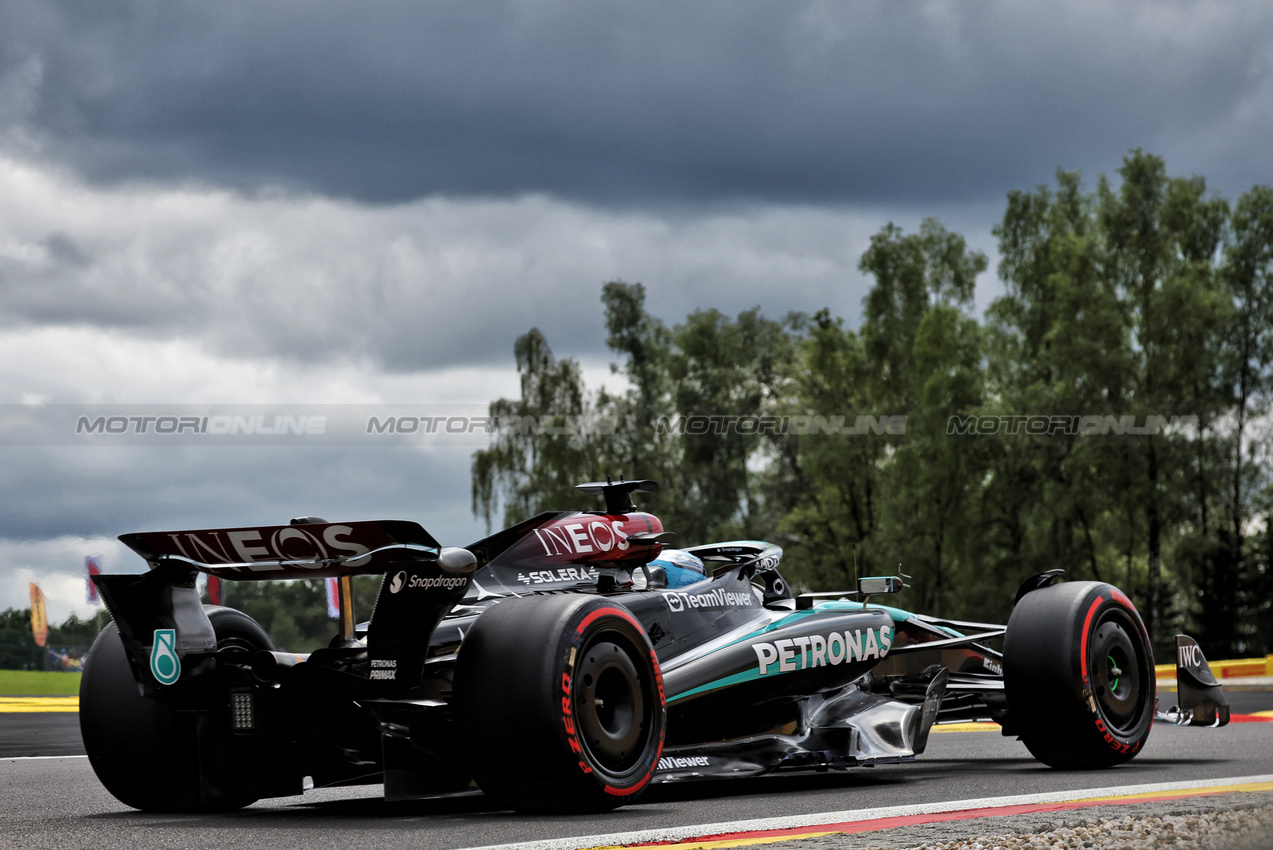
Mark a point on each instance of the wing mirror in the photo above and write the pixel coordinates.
(655, 577)
(880, 584)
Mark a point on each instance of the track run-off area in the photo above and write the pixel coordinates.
(969, 774)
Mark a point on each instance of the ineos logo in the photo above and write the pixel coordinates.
(398, 582)
(574, 538)
(304, 546)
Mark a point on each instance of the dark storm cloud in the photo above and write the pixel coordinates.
(636, 103)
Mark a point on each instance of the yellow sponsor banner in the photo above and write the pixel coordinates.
(38, 705)
(1230, 668)
(971, 726)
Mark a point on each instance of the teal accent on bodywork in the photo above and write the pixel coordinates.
(786, 621)
(776, 624)
(737, 678)
(898, 615)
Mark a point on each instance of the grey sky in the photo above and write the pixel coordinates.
(333, 202)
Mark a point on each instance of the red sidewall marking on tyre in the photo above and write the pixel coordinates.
(1106, 733)
(1121, 598)
(567, 711)
(1087, 628)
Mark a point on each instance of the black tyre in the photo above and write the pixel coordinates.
(142, 751)
(563, 701)
(1079, 675)
(239, 637)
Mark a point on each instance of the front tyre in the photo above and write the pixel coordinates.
(1079, 675)
(563, 700)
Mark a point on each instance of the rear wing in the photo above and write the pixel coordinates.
(160, 611)
(304, 549)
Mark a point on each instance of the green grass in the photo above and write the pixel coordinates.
(38, 683)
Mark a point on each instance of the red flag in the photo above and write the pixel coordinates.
(216, 591)
(93, 568)
(333, 598)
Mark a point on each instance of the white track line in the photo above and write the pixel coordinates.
(38, 758)
(681, 833)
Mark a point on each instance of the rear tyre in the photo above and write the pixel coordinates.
(563, 698)
(143, 751)
(1079, 675)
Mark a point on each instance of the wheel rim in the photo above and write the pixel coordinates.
(610, 706)
(236, 648)
(1118, 672)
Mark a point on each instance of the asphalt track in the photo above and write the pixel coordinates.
(57, 802)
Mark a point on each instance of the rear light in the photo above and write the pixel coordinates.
(242, 712)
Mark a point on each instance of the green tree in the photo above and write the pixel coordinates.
(76, 635)
(1161, 236)
(911, 274)
(863, 502)
(542, 448)
(925, 353)
(1247, 279)
(726, 373)
(639, 447)
(1058, 346)
(17, 647)
(831, 482)
(1113, 308)
(294, 613)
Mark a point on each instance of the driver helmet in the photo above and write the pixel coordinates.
(682, 568)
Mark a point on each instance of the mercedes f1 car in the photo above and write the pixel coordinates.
(573, 659)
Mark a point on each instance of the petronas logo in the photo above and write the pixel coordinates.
(164, 663)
